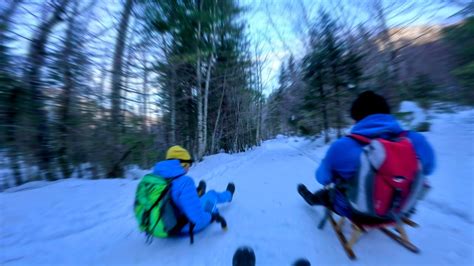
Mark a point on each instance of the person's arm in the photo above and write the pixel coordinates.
(323, 173)
(342, 159)
(189, 203)
(424, 151)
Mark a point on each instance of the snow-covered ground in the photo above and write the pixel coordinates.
(84, 222)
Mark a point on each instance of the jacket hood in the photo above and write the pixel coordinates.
(168, 169)
(377, 125)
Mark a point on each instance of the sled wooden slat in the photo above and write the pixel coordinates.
(398, 234)
(348, 249)
(409, 222)
(401, 240)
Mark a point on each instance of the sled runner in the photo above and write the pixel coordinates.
(398, 232)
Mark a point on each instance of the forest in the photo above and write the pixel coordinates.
(89, 88)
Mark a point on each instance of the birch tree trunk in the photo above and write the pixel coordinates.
(200, 121)
(206, 99)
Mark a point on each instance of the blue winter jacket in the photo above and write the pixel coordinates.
(343, 157)
(184, 194)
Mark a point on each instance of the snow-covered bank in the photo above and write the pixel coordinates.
(84, 222)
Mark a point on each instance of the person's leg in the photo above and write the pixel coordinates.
(210, 200)
(216, 197)
(321, 197)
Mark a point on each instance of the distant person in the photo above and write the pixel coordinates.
(372, 170)
(168, 203)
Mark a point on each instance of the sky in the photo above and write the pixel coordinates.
(279, 27)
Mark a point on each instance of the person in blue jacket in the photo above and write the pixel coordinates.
(198, 206)
(373, 120)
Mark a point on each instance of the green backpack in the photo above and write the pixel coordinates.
(154, 209)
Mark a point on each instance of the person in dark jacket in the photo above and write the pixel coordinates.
(191, 201)
(373, 120)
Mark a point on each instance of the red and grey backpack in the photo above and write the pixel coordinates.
(389, 178)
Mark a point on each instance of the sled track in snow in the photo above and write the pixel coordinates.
(446, 209)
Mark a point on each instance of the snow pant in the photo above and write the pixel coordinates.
(323, 197)
(209, 203)
(320, 197)
(211, 198)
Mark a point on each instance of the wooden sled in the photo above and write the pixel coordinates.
(398, 232)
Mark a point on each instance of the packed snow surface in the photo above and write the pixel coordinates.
(86, 222)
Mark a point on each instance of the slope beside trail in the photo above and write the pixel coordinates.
(84, 222)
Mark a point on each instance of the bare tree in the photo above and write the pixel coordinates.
(117, 86)
(7, 13)
(117, 68)
(36, 59)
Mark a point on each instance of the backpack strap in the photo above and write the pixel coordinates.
(163, 192)
(146, 214)
(366, 140)
(360, 138)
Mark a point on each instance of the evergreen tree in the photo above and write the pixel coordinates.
(461, 37)
(205, 74)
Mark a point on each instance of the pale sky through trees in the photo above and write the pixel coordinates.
(279, 25)
(276, 27)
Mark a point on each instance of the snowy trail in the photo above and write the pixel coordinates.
(83, 222)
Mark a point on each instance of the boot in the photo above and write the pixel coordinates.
(306, 194)
(201, 188)
(231, 188)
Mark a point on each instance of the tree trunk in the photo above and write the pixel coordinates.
(323, 110)
(200, 121)
(216, 123)
(173, 108)
(37, 57)
(15, 92)
(11, 119)
(117, 69)
(338, 112)
(259, 104)
(237, 128)
(66, 99)
(103, 77)
(338, 101)
(116, 85)
(5, 16)
(206, 100)
(389, 54)
(145, 96)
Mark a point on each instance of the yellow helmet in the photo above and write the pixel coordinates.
(179, 153)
